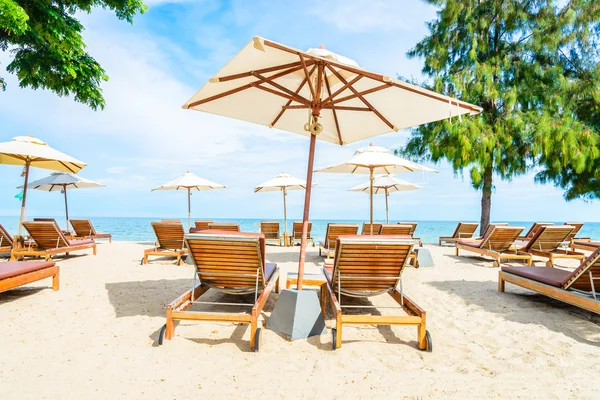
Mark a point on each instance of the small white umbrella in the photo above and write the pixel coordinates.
(386, 184)
(29, 151)
(282, 182)
(61, 181)
(371, 160)
(190, 181)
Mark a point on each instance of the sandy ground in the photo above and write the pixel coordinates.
(97, 338)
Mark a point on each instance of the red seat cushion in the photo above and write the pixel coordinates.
(15, 268)
(550, 276)
(80, 242)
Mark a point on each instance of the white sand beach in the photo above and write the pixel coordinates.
(96, 338)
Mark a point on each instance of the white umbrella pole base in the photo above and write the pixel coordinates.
(297, 315)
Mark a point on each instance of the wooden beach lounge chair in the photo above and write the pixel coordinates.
(225, 226)
(67, 233)
(464, 230)
(14, 274)
(412, 232)
(331, 235)
(48, 240)
(297, 234)
(549, 242)
(6, 241)
(169, 241)
(580, 287)
(229, 262)
(498, 244)
(271, 231)
(366, 228)
(489, 229)
(202, 224)
(585, 245)
(366, 266)
(85, 230)
(533, 229)
(576, 228)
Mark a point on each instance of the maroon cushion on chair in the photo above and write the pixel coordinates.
(11, 269)
(550, 276)
(80, 242)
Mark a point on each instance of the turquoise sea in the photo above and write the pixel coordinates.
(139, 229)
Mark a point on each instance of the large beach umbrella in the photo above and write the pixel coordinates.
(190, 181)
(31, 152)
(375, 160)
(282, 183)
(60, 182)
(385, 184)
(320, 94)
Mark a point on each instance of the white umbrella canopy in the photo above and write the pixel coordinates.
(282, 182)
(374, 159)
(61, 181)
(190, 181)
(386, 184)
(29, 151)
(320, 94)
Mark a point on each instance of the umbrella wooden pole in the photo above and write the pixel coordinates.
(309, 175)
(189, 209)
(371, 178)
(387, 218)
(285, 230)
(66, 207)
(27, 164)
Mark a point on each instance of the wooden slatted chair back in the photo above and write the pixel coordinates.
(335, 230)
(535, 227)
(368, 265)
(83, 227)
(394, 229)
(297, 230)
(270, 229)
(169, 235)
(171, 221)
(46, 234)
(412, 224)
(5, 239)
(366, 228)
(587, 276)
(229, 261)
(465, 230)
(202, 224)
(491, 227)
(225, 226)
(549, 238)
(501, 238)
(576, 228)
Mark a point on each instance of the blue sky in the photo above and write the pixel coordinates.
(143, 138)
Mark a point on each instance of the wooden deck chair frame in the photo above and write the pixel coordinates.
(84, 229)
(366, 228)
(463, 230)
(167, 248)
(200, 245)
(6, 241)
(333, 231)
(38, 231)
(360, 248)
(585, 245)
(547, 243)
(587, 276)
(498, 244)
(225, 226)
(202, 224)
(412, 232)
(30, 277)
(271, 231)
(533, 229)
(296, 236)
(67, 232)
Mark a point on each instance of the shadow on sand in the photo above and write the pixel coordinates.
(526, 307)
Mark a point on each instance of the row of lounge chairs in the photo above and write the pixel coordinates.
(45, 240)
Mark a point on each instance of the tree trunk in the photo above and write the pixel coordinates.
(486, 200)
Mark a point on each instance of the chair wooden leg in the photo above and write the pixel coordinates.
(456, 250)
(170, 331)
(501, 284)
(55, 281)
(323, 298)
(94, 249)
(253, 326)
(338, 330)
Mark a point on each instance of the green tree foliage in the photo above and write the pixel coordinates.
(48, 50)
(508, 57)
